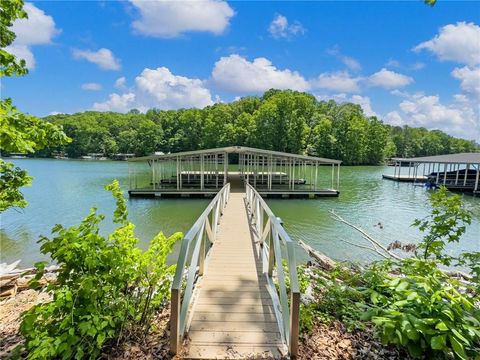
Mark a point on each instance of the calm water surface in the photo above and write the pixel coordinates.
(64, 191)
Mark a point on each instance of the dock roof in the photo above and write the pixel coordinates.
(461, 158)
(237, 150)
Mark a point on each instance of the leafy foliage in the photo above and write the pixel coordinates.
(24, 133)
(18, 132)
(107, 287)
(421, 308)
(13, 178)
(11, 10)
(412, 302)
(445, 224)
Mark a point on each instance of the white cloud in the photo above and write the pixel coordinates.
(173, 91)
(364, 102)
(389, 79)
(459, 118)
(236, 74)
(469, 80)
(23, 52)
(121, 82)
(168, 19)
(350, 62)
(337, 81)
(104, 58)
(394, 118)
(159, 88)
(280, 28)
(91, 86)
(116, 102)
(459, 42)
(38, 29)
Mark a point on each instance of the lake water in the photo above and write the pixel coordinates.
(63, 192)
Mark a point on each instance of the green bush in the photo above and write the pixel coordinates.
(422, 309)
(412, 303)
(107, 287)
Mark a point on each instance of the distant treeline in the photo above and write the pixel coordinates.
(287, 121)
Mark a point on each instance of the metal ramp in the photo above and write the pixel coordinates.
(224, 300)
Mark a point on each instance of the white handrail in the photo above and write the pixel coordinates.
(272, 234)
(204, 229)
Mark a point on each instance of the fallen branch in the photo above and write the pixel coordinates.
(367, 237)
(323, 260)
(373, 248)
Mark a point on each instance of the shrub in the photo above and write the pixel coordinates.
(106, 288)
(422, 309)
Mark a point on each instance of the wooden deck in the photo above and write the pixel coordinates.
(233, 314)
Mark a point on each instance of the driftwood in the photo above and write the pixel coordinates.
(13, 280)
(324, 261)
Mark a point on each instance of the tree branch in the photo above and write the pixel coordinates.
(367, 237)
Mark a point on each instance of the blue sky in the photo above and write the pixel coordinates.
(404, 62)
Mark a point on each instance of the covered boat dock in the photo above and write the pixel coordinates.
(460, 172)
(203, 173)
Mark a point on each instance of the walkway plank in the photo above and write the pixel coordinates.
(233, 315)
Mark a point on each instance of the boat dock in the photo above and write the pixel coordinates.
(203, 173)
(405, 178)
(457, 172)
(226, 302)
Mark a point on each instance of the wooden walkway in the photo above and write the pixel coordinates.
(232, 314)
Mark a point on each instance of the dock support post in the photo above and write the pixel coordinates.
(153, 174)
(202, 173)
(445, 173)
(466, 173)
(178, 179)
(338, 177)
(458, 171)
(477, 178)
(225, 168)
(333, 174)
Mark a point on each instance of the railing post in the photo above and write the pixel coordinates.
(271, 251)
(294, 323)
(175, 321)
(201, 255)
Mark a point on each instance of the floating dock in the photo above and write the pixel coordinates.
(202, 173)
(405, 178)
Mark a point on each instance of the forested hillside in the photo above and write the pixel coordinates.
(279, 120)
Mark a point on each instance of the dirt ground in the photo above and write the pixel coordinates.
(10, 311)
(335, 343)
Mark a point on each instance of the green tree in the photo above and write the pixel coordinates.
(18, 132)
